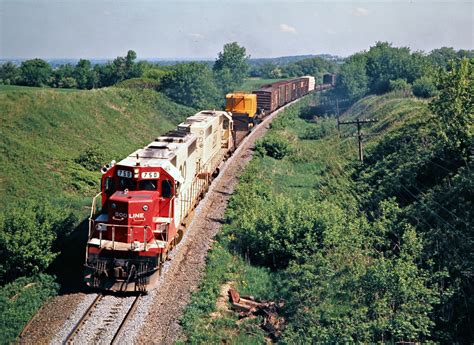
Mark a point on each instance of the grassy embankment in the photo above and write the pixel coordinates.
(43, 132)
(318, 168)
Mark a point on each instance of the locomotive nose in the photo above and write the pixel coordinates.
(132, 213)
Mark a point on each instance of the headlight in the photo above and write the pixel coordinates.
(101, 227)
(145, 208)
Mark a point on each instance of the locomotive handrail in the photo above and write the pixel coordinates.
(93, 207)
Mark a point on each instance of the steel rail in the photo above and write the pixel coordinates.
(124, 321)
(84, 317)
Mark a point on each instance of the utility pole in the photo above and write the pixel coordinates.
(360, 136)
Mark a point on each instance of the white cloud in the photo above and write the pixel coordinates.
(287, 28)
(360, 12)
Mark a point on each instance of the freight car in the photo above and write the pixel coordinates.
(273, 96)
(146, 200)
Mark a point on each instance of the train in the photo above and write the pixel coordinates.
(146, 200)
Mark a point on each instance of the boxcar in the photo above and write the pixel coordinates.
(273, 96)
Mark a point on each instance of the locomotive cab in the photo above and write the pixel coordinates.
(135, 224)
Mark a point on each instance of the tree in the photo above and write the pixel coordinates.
(231, 66)
(63, 77)
(9, 73)
(27, 233)
(119, 69)
(35, 72)
(352, 81)
(441, 56)
(454, 108)
(268, 69)
(311, 66)
(84, 74)
(385, 63)
(424, 87)
(132, 69)
(191, 84)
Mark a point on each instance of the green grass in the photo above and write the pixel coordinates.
(20, 300)
(34, 89)
(44, 130)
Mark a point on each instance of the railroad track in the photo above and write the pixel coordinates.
(99, 322)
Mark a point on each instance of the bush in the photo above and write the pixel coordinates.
(91, 158)
(424, 88)
(324, 128)
(28, 231)
(272, 146)
(399, 85)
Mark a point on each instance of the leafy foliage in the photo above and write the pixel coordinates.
(378, 252)
(424, 87)
(352, 80)
(35, 72)
(381, 69)
(192, 84)
(231, 66)
(9, 73)
(92, 158)
(27, 234)
(454, 108)
(272, 146)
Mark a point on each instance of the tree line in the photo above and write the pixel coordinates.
(386, 68)
(310, 66)
(84, 75)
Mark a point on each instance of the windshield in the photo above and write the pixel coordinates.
(127, 183)
(147, 185)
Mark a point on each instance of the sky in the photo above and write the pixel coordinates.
(199, 29)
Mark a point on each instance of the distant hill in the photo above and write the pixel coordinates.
(282, 60)
(166, 62)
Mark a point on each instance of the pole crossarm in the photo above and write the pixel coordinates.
(359, 135)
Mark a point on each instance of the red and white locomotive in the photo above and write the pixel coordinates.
(147, 198)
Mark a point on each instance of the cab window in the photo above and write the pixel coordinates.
(127, 183)
(147, 184)
(109, 185)
(166, 189)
